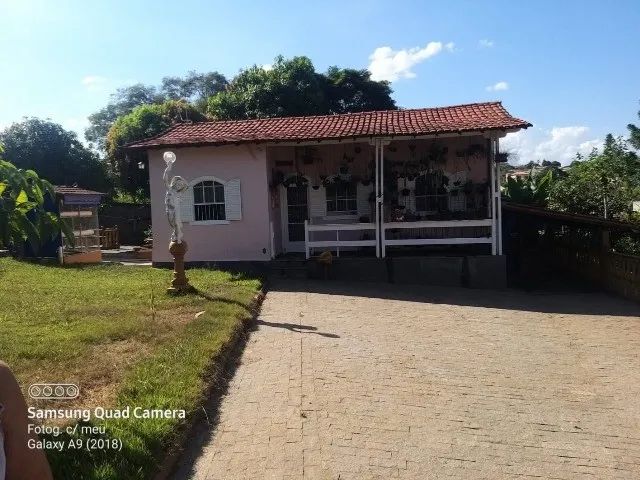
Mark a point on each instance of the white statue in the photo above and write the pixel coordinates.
(175, 186)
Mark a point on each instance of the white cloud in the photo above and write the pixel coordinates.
(388, 64)
(500, 86)
(485, 43)
(94, 83)
(558, 144)
(267, 66)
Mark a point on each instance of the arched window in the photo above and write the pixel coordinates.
(208, 201)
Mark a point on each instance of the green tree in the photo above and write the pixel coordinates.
(122, 102)
(292, 87)
(53, 152)
(603, 184)
(194, 87)
(349, 90)
(142, 122)
(634, 134)
(22, 214)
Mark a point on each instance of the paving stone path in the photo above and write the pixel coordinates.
(383, 381)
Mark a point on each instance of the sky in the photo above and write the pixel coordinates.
(569, 67)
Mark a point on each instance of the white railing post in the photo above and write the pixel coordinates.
(307, 250)
(492, 193)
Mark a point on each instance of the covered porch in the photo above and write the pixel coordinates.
(386, 195)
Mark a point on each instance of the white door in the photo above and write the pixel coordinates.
(295, 210)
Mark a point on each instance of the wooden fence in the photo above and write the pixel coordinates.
(613, 272)
(109, 238)
(540, 242)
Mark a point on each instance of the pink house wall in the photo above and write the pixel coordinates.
(243, 240)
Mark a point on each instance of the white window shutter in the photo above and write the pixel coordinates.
(186, 205)
(363, 193)
(233, 200)
(317, 202)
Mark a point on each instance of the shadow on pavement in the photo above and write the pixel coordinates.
(297, 328)
(561, 301)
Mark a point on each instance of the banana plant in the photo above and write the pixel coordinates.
(22, 214)
(531, 190)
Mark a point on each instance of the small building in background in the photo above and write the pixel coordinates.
(78, 207)
(521, 172)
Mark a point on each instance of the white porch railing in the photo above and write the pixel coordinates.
(337, 243)
(391, 242)
(445, 224)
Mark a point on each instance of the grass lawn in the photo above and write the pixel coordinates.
(115, 332)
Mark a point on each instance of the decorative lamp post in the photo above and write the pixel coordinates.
(177, 246)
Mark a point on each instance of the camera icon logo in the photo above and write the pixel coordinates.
(54, 391)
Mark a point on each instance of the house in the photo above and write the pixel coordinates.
(522, 173)
(371, 182)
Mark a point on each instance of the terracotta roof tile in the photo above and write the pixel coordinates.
(423, 121)
(65, 189)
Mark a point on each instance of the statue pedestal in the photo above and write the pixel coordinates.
(179, 284)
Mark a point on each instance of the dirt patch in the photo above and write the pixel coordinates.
(99, 374)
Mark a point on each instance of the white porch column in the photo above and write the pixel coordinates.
(382, 233)
(492, 194)
(377, 217)
(498, 198)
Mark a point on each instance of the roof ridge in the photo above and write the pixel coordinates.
(163, 132)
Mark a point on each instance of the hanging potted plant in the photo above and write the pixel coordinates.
(476, 149)
(278, 177)
(502, 157)
(295, 181)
